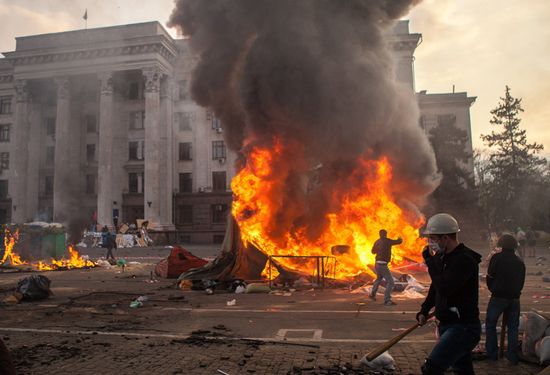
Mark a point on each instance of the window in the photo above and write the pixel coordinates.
(218, 238)
(3, 188)
(48, 185)
(91, 123)
(4, 160)
(185, 214)
(446, 120)
(214, 121)
(219, 181)
(134, 91)
(90, 153)
(137, 120)
(185, 150)
(135, 182)
(182, 90)
(50, 154)
(183, 120)
(50, 126)
(218, 150)
(219, 213)
(135, 150)
(5, 105)
(4, 133)
(90, 183)
(186, 183)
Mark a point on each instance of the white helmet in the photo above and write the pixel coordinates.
(441, 224)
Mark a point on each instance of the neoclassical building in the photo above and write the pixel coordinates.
(101, 120)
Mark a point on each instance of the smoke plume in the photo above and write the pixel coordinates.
(318, 76)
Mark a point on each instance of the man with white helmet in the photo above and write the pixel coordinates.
(454, 291)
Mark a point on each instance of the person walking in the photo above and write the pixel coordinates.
(454, 293)
(505, 280)
(382, 249)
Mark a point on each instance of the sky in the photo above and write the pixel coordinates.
(477, 46)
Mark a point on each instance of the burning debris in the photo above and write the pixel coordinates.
(29, 246)
(331, 150)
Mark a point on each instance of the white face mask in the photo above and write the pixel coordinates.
(435, 248)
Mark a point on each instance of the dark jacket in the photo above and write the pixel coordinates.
(454, 290)
(382, 248)
(506, 275)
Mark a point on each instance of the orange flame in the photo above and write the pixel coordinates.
(10, 257)
(364, 209)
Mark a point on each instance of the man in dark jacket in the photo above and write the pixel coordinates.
(454, 293)
(382, 249)
(505, 279)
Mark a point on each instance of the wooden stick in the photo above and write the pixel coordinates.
(391, 342)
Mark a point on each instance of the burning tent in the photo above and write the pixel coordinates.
(330, 146)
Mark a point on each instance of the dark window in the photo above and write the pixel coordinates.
(182, 90)
(4, 133)
(185, 214)
(185, 151)
(135, 182)
(184, 238)
(186, 183)
(218, 150)
(90, 152)
(4, 160)
(3, 188)
(137, 120)
(219, 181)
(135, 150)
(90, 183)
(219, 213)
(48, 185)
(134, 91)
(91, 124)
(50, 126)
(218, 238)
(214, 121)
(183, 119)
(446, 120)
(422, 122)
(50, 154)
(5, 106)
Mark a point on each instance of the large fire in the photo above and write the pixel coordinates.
(366, 206)
(11, 258)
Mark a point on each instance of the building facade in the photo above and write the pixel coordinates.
(100, 123)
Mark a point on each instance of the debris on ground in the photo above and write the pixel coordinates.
(179, 261)
(384, 361)
(258, 288)
(232, 302)
(35, 287)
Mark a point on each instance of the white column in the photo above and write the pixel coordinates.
(20, 157)
(105, 151)
(166, 155)
(34, 147)
(63, 180)
(152, 174)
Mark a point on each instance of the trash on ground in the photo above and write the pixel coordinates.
(384, 361)
(240, 289)
(258, 288)
(535, 327)
(233, 302)
(34, 287)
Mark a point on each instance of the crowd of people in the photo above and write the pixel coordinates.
(453, 296)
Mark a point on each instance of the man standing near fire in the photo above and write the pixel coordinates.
(382, 249)
(454, 292)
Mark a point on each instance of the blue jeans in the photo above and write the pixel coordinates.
(454, 349)
(383, 272)
(495, 308)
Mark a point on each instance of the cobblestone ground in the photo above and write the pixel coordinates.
(39, 353)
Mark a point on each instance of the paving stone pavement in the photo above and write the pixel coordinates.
(39, 353)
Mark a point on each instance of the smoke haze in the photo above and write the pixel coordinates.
(318, 76)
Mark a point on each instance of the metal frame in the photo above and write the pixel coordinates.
(322, 260)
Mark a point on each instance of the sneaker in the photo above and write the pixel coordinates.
(389, 303)
(372, 298)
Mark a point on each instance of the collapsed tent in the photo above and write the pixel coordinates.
(235, 261)
(179, 261)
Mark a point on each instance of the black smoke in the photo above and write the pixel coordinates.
(316, 73)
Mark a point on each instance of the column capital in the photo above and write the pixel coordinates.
(63, 87)
(21, 90)
(152, 78)
(106, 83)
